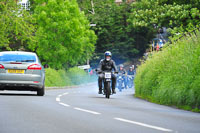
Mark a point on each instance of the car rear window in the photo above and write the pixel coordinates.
(14, 57)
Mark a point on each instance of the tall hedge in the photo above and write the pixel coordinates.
(172, 76)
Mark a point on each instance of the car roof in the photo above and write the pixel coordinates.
(17, 52)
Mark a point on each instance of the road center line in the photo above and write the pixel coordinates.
(144, 125)
(66, 105)
(65, 93)
(88, 111)
(57, 99)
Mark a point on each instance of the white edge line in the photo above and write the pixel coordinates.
(145, 125)
(66, 105)
(88, 111)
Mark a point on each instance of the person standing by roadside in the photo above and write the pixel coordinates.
(157, 47)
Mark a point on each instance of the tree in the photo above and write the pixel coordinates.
(64, 35)
(178, 15)
(111, 28)
(16, 27)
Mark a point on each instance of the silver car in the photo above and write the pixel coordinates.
(21, 71)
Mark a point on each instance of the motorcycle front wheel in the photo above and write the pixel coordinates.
(120, 86)
(107, 89)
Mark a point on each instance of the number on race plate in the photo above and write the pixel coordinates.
(107, 75)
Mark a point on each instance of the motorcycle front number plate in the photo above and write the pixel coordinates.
(107, 75)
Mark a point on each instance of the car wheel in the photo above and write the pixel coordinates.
(40, 92)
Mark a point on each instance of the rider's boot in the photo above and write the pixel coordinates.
(114, 84)
(113, 91)
(100, 85)
(100, 91)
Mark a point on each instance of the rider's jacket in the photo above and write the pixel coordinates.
(131, 72)
(107, 65)
(123, 71)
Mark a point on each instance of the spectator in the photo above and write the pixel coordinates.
(157, 47)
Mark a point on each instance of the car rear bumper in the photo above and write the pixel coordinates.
(22, 82)
(20, 77)
(20, 86)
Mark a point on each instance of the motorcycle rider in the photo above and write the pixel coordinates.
(131, 74)
(107, 64)
(133, 67)
(131, 71)
(123, 72)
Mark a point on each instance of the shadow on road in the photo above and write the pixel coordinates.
(16, 94)
(101, 97)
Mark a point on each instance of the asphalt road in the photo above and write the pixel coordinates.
(82, 110)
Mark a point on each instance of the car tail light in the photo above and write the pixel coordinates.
(1, 67)
(34, 67)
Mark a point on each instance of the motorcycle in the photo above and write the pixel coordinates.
(120, 82)
(130, 81)
(107, 80)
(107, 84)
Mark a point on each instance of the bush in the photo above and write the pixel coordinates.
(172, 76)
(74, 76)
(56, 78)
(77, 75)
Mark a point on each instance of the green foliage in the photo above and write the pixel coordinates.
(164, 13)
(56, 30)
(112, 29)
(56, 78)
(16, 27)
(73, 76)
(172, 76)
(64, 37)
(78, 76)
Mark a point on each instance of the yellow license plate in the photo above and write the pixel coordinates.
(15, 71)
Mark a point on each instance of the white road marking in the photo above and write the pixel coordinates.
(66, 105)
(88, 111)
(58, 99)
(143, 124)
(65, 93)
(119, 119)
